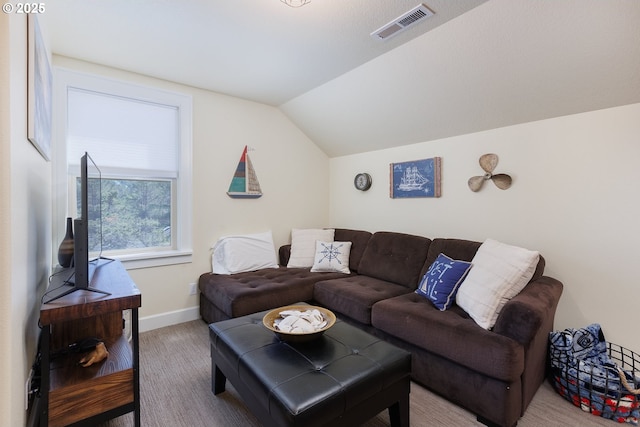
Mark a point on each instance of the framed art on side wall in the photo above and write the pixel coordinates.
(417, 178)
(38, 90)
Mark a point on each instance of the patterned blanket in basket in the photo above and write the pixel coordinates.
(584, 373)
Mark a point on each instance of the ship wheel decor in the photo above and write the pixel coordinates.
(488, 163)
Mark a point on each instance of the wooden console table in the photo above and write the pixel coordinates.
(71, 394)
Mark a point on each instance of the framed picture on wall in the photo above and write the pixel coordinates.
(417, 178)
(38, 90)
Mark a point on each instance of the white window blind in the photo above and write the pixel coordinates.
(123, 134)
(140, 137)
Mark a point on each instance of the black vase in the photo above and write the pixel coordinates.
(65, 251)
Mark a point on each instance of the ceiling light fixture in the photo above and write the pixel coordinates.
(295, 3)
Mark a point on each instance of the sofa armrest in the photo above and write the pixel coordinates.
(284, 253)
(528, 319)
(534, 307)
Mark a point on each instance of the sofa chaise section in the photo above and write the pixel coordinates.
(228, 296)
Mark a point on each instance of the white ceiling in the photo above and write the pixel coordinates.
(474, 65)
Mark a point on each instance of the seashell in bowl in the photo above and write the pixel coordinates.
(299, 323)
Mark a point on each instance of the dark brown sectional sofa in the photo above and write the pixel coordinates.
(493, 373)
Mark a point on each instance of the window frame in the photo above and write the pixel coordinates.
(65, 79)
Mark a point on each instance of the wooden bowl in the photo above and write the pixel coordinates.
(269, 318)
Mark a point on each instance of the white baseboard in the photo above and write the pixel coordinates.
(156, 321)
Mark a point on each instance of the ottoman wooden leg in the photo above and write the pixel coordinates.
(218, 380)
(399, 413)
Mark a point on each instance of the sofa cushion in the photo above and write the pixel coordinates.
(332, 256)
(358, 239)
(451, 334)
(354, 296)
(247, 252)
(440, 283)
(249, 292)
(459, 249)
(303, 245)
(395, 257)
(499, 273)
(463, 250)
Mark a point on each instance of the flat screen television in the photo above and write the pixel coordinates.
(87, 230)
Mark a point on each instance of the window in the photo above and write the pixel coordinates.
(140, 139)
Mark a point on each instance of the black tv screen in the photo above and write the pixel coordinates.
(81, 230)
(88, 226)
(87, 230)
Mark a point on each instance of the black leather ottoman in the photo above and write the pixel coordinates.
(343, 378)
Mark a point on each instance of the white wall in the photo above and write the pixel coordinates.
(25, 227)
(293, 174)
(5, 219)
(574, 198)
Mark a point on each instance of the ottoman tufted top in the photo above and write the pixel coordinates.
(306, 383)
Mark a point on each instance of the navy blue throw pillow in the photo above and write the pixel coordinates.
(441, 282)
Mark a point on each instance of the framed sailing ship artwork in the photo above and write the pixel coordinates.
(417, 178)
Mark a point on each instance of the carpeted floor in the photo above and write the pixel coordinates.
(175, 384)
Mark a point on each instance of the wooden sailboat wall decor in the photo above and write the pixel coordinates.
(244, 184)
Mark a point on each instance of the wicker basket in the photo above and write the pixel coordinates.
(597, 390)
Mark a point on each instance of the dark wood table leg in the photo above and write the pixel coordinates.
(399, 412)
(218, 381)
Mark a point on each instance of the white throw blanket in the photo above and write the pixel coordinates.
(300, 322)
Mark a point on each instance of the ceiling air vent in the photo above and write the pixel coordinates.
(403, 22)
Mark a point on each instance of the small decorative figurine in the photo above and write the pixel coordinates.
(96, 355)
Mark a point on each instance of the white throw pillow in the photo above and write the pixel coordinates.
(303, 245)
(499, 273)
(249, 252)
(332, 256)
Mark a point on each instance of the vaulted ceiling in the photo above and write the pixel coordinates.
(474, 65)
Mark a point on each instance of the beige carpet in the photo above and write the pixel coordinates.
(175, 384)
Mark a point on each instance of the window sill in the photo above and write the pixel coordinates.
(154, 259)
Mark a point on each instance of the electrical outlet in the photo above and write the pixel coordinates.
(193, 289)
(27, 390)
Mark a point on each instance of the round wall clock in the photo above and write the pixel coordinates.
(362, 181)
